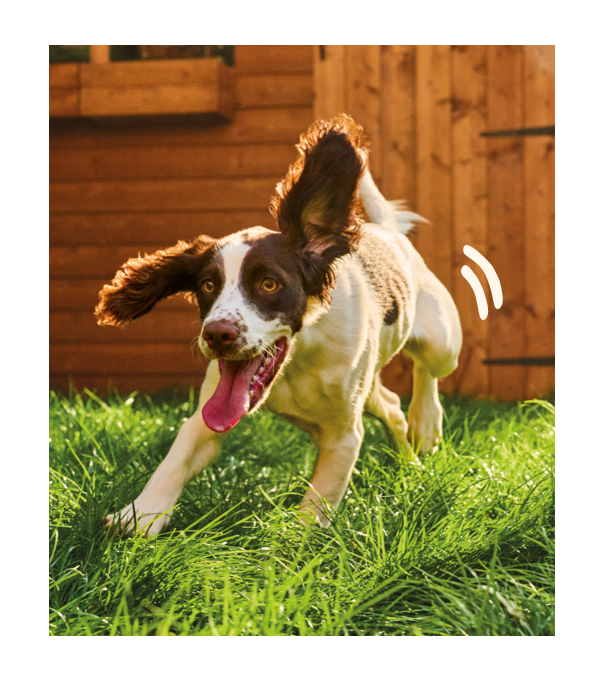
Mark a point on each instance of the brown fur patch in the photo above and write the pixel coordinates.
(142, 282)
(317, 207)
(385, 274)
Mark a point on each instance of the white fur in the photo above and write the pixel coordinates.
(332, 374)
(392, 214)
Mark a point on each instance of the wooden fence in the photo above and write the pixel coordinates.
(122, 187)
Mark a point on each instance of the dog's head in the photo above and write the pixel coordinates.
(256, 288)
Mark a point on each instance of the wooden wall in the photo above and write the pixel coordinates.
(423, 108)
(119, 188)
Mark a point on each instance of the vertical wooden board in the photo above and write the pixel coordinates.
(398, 123)
(506, 217)
(328, 80)
(433, 114)
(398, 157)
(539, 158)
(363, 97)
(99, 54)
(469, 208)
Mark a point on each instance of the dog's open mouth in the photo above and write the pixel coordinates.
(241, 386)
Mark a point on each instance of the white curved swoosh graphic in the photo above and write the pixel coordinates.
(490, 273)
(472, 279)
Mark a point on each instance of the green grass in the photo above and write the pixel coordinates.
(460, 544)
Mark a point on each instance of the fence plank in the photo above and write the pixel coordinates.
(506, 218)
(469, 208)
(434, 162)
(398, 125)
(539, 189)
(329, 73)
(363, 98)
(433, 114)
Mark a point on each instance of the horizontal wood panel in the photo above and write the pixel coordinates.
(64, 75)
(257, 59)
(64, 102)
(83, 294)
(270, 125)
(172, 161)
(396, 377)
(165, 87)
(131, 358)
(89, 261)
(150, 73)
(269, 90)
(164, 194)
(124, 384)
(165, 325)
(163, 99)
(156, 228)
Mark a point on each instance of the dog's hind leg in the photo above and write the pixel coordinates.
(386, 406)
(195, 447)
(433, 345)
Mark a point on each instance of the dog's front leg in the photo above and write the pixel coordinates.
(338, 452)
(195, 447)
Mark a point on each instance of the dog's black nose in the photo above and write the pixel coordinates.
(220, 335)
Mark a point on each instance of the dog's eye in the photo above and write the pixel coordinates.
(269, 284)
(208, 286)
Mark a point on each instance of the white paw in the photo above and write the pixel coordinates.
(424, 429)
(148, 519)
(314, 511)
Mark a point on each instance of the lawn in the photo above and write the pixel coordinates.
(461, 543)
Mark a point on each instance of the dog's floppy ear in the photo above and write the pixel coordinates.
(142, 282)
(317, 206)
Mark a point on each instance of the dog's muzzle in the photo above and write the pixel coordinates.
(222, 336)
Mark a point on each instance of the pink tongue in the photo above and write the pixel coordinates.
(231, 400)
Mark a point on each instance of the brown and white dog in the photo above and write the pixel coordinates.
(300, 320)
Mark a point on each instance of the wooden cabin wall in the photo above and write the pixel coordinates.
(120, 188)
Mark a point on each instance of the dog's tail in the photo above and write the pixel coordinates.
(388, 213)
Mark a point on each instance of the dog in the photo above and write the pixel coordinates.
(300, 321)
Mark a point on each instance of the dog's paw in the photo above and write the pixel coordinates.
(426, 444)
(424, 430)
(146, 520)
(314, 512)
